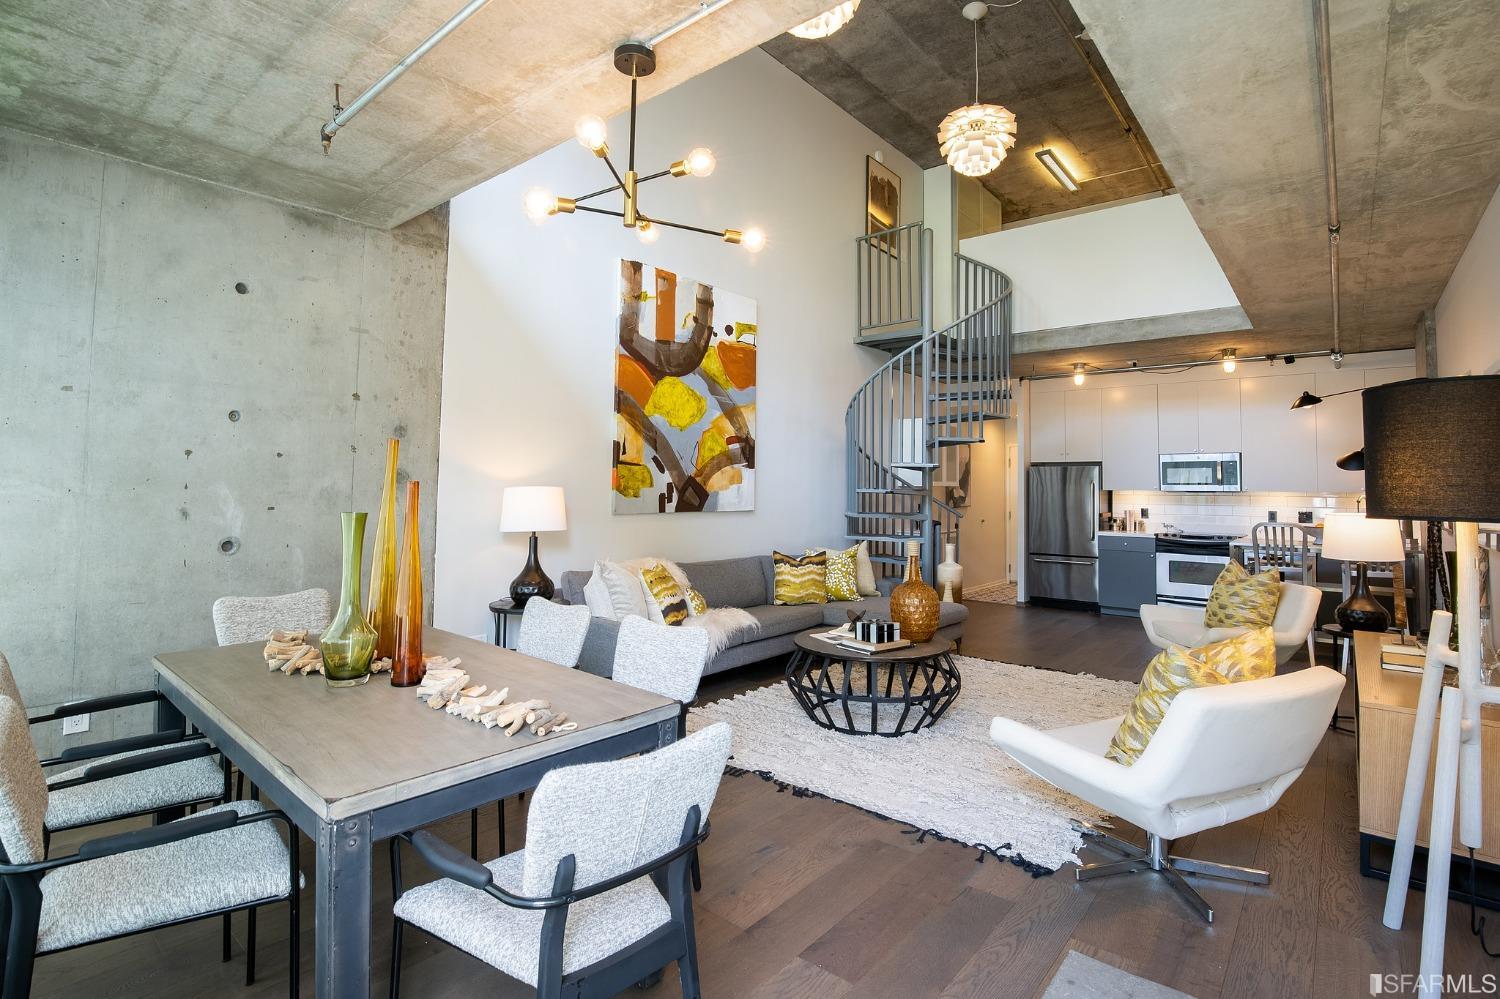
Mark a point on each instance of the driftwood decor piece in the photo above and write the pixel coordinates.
(448, 688)
(289, 652)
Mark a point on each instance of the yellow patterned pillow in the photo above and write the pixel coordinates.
(1240, 600)
(843, 572)
(801, 580)
(665, 601)
(1251, 656)
(697, 606)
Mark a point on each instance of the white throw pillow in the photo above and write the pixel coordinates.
(596, 595)
(626, 595)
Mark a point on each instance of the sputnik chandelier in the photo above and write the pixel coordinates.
(635, 60)
(975, 138)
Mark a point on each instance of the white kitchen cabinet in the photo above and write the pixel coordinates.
(1177, 417)
(1129, 429)
(1082, 409)
(1219, 416)
(1279, 443)
(1384, 376)
(1049, 428)
(1065, 426)
(1340, 423)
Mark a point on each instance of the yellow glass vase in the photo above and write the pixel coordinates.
(407, 667)
(381, 606)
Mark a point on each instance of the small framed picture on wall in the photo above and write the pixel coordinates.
(882, 199)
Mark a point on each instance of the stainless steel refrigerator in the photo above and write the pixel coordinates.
(1062, 533)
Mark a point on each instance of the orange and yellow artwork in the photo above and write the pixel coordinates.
(684, 395)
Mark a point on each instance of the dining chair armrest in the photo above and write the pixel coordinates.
(93, 750)
(165, 756)
(450, 863)
(87, 705)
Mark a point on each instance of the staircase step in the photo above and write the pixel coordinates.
(889, 559)
(886, 514)
(915, 464)
(948, 440)
(967, 395)
(892, 491)
(895, 539)
(960, 418)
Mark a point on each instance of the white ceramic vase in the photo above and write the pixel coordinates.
(950, 575)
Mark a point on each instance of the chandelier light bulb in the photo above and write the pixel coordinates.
(1078, 374)
(754, 240)
(646, 232)
(539, 204)
(975, 138)
(1229, 360)
(827, 22)
(591, 132)
(701, 162)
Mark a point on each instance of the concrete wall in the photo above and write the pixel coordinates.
(1131, 261)
(1468, 313)
(530, 350)
(126, 348)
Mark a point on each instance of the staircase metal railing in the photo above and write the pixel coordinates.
(894, 280)
(936, 393)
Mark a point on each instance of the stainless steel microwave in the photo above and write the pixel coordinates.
(1201, 473)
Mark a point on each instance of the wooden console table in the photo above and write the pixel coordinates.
(1387, 713)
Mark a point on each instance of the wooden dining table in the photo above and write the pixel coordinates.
(355, 765)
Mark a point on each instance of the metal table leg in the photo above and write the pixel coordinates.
(343, 909)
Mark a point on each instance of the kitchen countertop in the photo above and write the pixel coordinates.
(1127, 534)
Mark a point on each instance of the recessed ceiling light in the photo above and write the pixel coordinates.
(1056, 169)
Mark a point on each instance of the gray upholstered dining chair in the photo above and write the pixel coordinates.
(554, 632)
(580, 911)
(216, 862)
(551, 632)
(250, 619)
(663, 659)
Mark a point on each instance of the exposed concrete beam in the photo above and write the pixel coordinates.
(1130, 331)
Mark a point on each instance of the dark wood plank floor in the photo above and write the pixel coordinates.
(809, 898)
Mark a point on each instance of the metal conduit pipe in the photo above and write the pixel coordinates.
(343, 115)
(1176, 365)
(1330, 167)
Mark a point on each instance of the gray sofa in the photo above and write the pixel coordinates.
(748, 583)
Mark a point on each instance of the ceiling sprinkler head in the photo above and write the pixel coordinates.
(976, 10)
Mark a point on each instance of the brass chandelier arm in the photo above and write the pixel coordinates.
(615, 187)
(690, 228)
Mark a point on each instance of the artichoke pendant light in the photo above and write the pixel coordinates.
(827, 22)
(975, 138)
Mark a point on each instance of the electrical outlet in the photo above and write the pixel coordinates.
(1304, 516)
(75, 724)
(1271, 516)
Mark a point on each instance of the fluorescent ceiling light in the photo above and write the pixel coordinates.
(1056, 169)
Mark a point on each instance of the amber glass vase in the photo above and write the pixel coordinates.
(406, 662)
(349, 643)
(381, 606)
(914, 604)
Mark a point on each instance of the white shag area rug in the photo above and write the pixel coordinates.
(948, 781)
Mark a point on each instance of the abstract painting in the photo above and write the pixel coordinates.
(684, 395)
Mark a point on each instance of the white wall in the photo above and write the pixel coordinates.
(530, 347)
(1128, 262)
(1468, 313)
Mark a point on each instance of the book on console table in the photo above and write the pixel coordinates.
(1405, 658)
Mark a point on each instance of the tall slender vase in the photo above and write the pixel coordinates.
(914, 604)
(950, 575)
(349, 643)
(381, 608)
(407, 669)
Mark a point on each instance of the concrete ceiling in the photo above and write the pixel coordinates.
(901, 65)
(235, 92)
(1228, 91)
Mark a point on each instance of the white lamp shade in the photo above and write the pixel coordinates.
(533, 508)
(1353, 537)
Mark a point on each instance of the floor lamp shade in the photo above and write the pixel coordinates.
(532, 509)
(1432, 449)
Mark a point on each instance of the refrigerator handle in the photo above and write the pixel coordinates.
(1094, 520)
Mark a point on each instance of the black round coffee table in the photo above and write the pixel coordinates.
(885, 693)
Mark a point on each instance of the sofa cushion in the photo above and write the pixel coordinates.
(838, 613)
(730, 582)
(784, 619)
(570, 585)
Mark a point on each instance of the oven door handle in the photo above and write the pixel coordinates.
(1052, 560)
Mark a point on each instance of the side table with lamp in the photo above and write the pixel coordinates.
(532, 509)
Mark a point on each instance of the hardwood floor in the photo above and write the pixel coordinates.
(805, 897)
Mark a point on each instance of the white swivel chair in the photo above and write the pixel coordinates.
(1220, 755)
(1296, 614)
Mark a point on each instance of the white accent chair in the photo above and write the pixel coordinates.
(1220, 755)
(580, 910)
(1296, 614)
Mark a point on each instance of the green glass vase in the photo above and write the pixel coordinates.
(349, 643)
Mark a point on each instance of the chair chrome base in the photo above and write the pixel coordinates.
(1157, 858)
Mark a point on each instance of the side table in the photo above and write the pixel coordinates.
(503, 609)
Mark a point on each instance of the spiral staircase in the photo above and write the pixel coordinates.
(935, 394)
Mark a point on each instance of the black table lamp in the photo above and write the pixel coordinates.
(533, 509)
(1353, 537)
